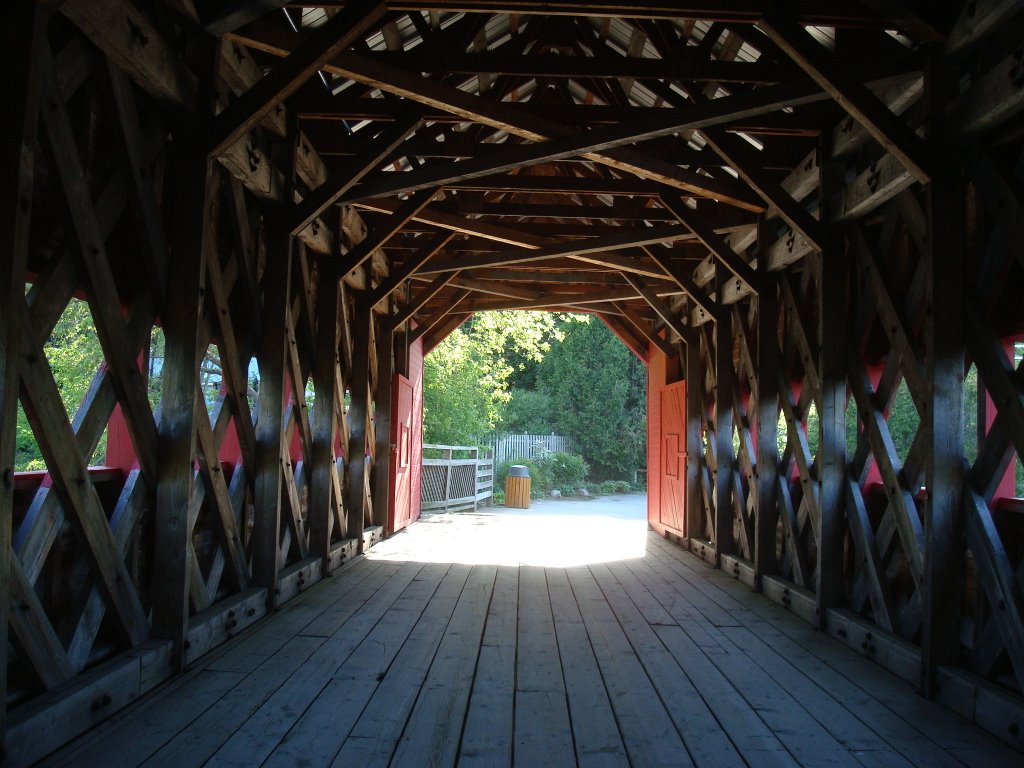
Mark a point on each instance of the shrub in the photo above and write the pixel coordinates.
(540, 475)
(567, 468)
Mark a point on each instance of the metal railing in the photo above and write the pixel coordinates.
(455, 477)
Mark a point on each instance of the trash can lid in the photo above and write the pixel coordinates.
(518, 470)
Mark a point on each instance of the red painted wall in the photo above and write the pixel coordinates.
(416, 377)
(656, 379)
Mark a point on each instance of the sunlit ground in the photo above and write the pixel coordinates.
(555, 533)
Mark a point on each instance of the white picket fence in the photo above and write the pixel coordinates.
(507, 447)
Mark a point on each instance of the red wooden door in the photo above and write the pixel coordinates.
(672, 481)
(400, 503)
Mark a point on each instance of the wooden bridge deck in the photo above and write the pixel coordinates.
(485, 640)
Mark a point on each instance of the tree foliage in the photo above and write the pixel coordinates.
(466, 378)
(598, 392)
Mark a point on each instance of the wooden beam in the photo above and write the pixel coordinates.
(138, 47)
(322, 479)
(741, 156)
(417, 302)
(725, 460)
(830, 13)
(355, 258)
(832, 341)
(348, 176)
(409, 267)
(634, 319)
(886, 128)
(358, 414)
(943, 417)
(21, 37)
(270, 423)
(324, 44)
(499, 233)
(598, 144)
(681, 278)
(382, 490)
(434, 321)
(660, 308)
(714, 242)
(596, 245)
(175, 487)
(687, 66)
(104, 301)
(411, 85)
(767, 402)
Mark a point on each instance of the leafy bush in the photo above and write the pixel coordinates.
(540, 475)
(567, 468)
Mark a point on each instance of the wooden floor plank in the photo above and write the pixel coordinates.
(941, 727)
(705, 738)
(374, 737)
(595, 732)
(648, 732)
(432, 734)
(370, 631)
(195, 743)
(543, 731)
(751, 736)
(487, 734)
(414, 655)
(838, 720)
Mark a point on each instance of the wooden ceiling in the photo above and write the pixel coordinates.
(603, 157)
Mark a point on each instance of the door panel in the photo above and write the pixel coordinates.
(672, 480)
(400, 460)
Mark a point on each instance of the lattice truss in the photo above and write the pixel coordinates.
(84, 543)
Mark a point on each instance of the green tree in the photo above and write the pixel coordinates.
(598, 392)
(528, 412)
(74, 354)
(466, 378)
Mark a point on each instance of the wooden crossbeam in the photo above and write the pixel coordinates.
(670, 318)
(714, 242)
(323, 45)
(104, 300)
(519, 122)
(890, 131)
(434, 322)
(830, 13)
(685, 281)
(354, 170)
(139, 48)
(591, 246)
(355, 258)
(684, 67)
(24, 32)
(499, 233)
(409, 267)
(599, 144)
(740, 155)
(417, 302)
(636, 320)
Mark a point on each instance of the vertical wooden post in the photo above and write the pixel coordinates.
(765, 559)
(359, 390)
(382, 431)
(725, 374)
(943, 419)
(325, 420)
(270, 447)
(24, 31)
(176, 447)
(832, 342)
(694, 449)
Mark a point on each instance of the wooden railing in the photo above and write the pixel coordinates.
(455, 477)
